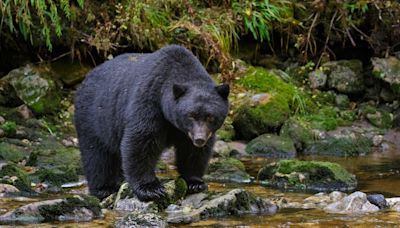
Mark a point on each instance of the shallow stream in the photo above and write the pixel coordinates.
(378, 172)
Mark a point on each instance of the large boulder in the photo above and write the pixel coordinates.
(388, 70)
(35, 86)
(307, 176)
(345, 76)
(265, 107)
(355, 203)
(271, 146)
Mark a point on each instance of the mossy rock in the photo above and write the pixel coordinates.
(381, 119)
(70, 205)
(56, 175)
(227, 170)
(272, 146)
(344, 146)
(298, 131)
(34, 85)
(9, 170)
(13, 153)
(315, 176)
(345, 76)
(251, 120)
(388, 70)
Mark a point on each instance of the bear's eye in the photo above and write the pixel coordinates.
(210, 118)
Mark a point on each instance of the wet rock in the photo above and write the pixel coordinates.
(13, 175)
(234, 202)
(75, 208)
(378, 200)
(388, 70)
(228, 170)
(6, 189)
(394, 203)
(307, 176)
(343, 145)
(125, 200)
(355, 203)
(319, 200)
(271, 146)
(345, 76)
(317, 79)
(35, 87)
(138, 219)
(74, 184)
(238, 149)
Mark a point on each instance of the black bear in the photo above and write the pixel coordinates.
(129, 109)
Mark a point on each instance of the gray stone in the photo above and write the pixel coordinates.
(141, 220)
(227, 170)
(222, 148)
(355, 203)
(378, 200)
(6, 189)
(345, 76)
(388, 69)
(317, 79)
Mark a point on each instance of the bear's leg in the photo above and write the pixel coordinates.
(140, 153)
(192, 162)
(102, 167)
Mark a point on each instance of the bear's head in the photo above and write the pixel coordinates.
(199, 110)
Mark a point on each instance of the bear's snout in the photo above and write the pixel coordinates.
(200, 133)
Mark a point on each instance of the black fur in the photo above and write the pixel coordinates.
(132, 107)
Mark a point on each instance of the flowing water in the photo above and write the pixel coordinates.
(378, 172)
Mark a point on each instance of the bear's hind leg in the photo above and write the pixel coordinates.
(192, 163)
(102, 168)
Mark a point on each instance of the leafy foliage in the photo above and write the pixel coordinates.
(27, 15)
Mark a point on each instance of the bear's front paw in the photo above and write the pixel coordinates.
(195, 185)
(150, 191)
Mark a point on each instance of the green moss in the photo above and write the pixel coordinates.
(22, 182)
(175, 190)
(10, 152)
(299, 131)
(69, 205)
(226, 132)
(318, 168)
(326, 119)
(9, 128)
(262, 81)
(57, 175)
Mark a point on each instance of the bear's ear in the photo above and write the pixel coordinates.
(178, 90)
(223, 90)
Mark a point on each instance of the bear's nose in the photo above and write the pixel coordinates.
(199, 142)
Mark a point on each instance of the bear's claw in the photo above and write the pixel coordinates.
(150, 191)
(196, 185)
